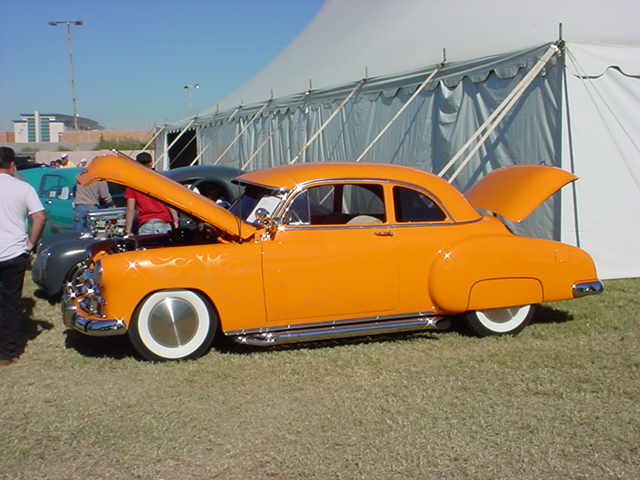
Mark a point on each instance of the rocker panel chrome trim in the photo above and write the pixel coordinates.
(352, 330)
(334, 323)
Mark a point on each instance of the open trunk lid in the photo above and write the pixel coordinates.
(514, 192)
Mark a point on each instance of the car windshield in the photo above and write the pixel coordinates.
(254, 198)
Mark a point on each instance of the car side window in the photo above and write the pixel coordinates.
(413, 206)
(338, 204)
(55, 186)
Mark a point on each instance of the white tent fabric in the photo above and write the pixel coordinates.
(603, 143)
(579, 113)
(387, 36)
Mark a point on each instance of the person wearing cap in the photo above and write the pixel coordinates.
(18, 200)
(153, 216)
(65, 162)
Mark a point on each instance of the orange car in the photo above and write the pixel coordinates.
(317, 251)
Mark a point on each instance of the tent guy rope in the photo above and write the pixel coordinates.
(399, 112)
(497, 115)
(328, 120)
(244, 129)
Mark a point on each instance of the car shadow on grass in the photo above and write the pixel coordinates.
(116, 347)
(546, 314)
(228, 346)
(43, 295)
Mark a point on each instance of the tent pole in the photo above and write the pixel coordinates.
(195, 160)
(244, 129)
(505, 107)
(155, 135)
(399, 112)
(328, 120)
(571, 156)
(153, 138)
(174, 141)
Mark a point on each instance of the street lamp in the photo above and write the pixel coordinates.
(74, 98)
(188, 87)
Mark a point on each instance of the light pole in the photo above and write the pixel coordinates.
(74, 98)
(188, 87)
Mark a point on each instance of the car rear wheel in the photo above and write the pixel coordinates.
(499, 321)
(173, 325)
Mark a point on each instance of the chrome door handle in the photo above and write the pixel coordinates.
(384, 233)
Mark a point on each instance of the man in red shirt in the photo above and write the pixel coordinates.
(153, 215)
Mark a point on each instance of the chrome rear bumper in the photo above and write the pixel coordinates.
(587, 288)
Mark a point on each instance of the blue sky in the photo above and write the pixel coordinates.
(133, 58)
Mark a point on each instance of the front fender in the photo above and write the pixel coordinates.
(504, 270)
(61, 257)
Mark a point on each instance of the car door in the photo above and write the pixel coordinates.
(332, 257)
(422, 229)
(56, 193)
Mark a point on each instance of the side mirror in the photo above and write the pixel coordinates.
(263, 218)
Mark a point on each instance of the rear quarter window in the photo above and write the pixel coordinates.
(414, 206)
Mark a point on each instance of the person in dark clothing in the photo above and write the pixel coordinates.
(18, 200)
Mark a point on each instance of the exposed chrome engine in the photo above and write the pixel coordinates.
(106, 222)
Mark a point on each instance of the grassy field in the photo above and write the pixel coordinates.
(561, 400)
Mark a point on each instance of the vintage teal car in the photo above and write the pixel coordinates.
(55, 188)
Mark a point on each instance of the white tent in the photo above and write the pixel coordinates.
(361, 63)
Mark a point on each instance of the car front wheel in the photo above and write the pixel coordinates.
(499, 321)
(173, 325)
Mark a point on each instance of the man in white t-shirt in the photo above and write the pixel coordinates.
(18, 200)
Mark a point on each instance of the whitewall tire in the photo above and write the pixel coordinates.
(499, 321)
(173, 325)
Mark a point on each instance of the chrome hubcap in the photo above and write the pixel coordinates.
(173, 322)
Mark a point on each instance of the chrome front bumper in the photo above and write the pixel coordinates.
(97, 328)
(587, 288)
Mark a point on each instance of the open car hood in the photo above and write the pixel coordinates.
(515, 192)
(127, 172)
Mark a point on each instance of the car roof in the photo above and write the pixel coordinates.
(34, 174)
(182, 174)
(289, 176)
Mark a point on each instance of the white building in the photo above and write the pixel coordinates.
(47, 127)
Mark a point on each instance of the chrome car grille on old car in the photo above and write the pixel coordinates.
(86, 286)
(107, 222)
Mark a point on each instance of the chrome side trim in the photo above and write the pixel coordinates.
(587, 288)
(354, 330)
(281, 209)
(334, 323)
(283, 227)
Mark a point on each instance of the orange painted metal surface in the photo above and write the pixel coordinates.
(302, 274)
(118, 169)
(515, 192)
